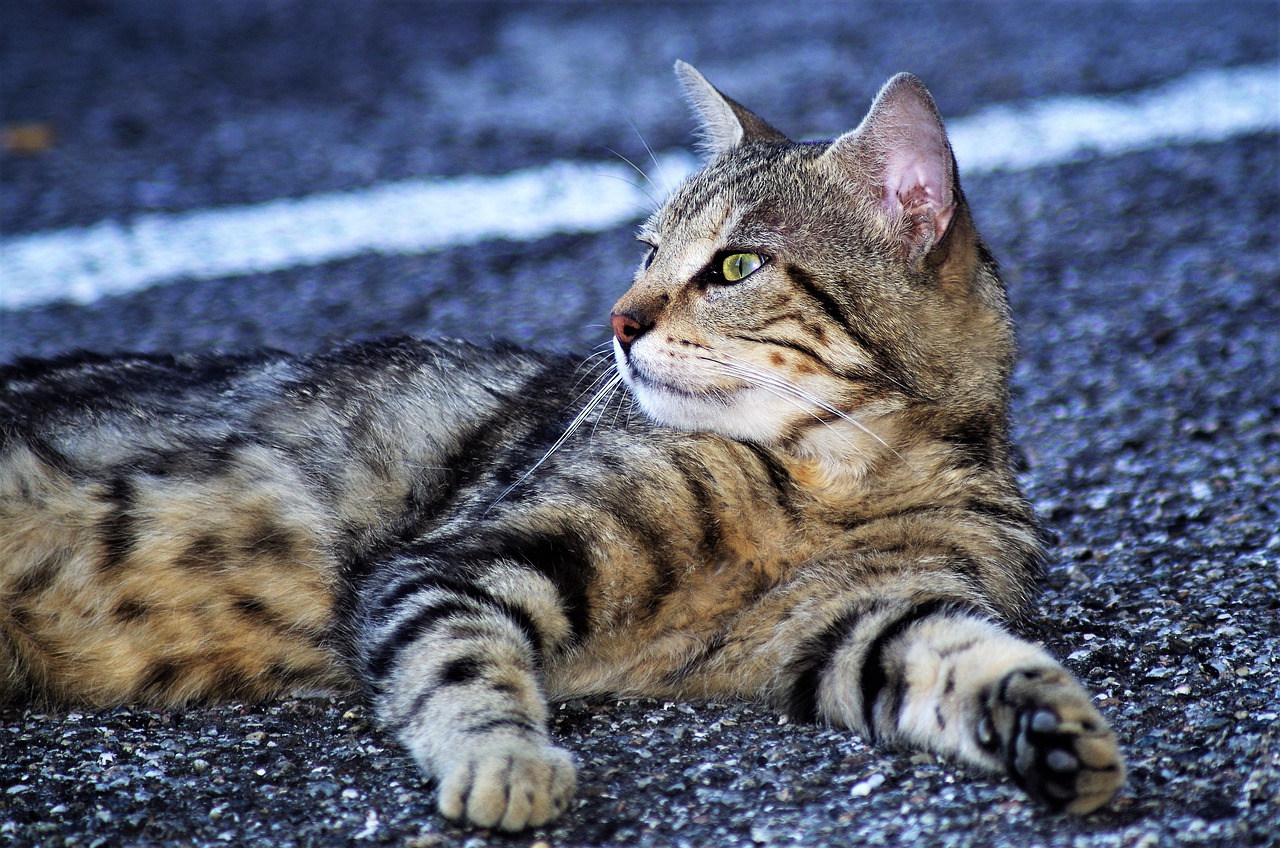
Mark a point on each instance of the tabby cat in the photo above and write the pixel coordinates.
(815, 511)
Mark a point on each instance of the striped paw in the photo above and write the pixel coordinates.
(1052, 740)
(509, 782)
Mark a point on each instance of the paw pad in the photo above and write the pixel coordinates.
(1054, 743)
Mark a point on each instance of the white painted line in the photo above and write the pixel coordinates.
(1208, 106)
(414, 216)
(84, 264)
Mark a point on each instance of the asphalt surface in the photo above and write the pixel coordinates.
(1146, 288)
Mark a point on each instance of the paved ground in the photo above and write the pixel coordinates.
(1146, 286)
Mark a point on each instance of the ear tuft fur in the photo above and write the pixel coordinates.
(723, 124)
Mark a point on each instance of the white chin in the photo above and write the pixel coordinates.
(747, 415)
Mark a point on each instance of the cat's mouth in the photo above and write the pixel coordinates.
(727, 408)
(635, 374)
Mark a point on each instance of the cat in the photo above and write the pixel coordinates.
(815, 509)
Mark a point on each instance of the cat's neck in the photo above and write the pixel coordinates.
(839, 459)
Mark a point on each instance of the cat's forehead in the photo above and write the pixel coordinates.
(746, 194)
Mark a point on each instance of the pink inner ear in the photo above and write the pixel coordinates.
(899, 154)
(917, 183)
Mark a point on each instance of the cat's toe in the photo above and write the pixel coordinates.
(1055, 745)
(510, 786)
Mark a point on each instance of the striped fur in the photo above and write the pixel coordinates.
(816, 509)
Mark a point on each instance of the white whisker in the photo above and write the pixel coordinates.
(626, 404)
(600, 397)
(665, 188)
(637, 186)
(634, 166)
(786, 390)
(654, 204)
(595, 366)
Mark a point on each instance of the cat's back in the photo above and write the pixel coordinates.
(174, 525)
(204, 393)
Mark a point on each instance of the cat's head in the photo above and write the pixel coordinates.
(795, 290)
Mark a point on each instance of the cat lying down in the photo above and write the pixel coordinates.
(814, 510)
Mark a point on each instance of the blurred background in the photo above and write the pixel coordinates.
(116, 111)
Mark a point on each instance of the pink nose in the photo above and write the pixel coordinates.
(625, 328)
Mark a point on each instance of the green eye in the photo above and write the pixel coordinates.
(738, 266)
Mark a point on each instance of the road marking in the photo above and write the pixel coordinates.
(1208, 106)
(84, 264)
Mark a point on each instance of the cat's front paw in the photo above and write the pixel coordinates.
(508, 782)
(1052, 740)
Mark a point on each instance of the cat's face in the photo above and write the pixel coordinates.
(793, 288)
(729, 340)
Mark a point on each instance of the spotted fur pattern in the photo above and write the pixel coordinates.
(815, 509)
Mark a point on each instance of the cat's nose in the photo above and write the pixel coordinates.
(626, 329)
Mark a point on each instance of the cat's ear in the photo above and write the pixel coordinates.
(723, 124)
(900, 157)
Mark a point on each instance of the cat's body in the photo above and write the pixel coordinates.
(823, 517)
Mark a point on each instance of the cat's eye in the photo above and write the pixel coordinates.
(651, 250)
(739, 266)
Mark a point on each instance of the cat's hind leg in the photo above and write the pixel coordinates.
(453, 658)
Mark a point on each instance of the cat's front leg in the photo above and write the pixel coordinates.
(454, 664)
(939, 675)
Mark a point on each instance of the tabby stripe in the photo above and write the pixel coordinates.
(129, 610)
(41, 576)
(803, 350)
(521, 619)
(698, 661)
(779, 480)
(416, 626)
(986, 509)
(409, 630)
(461, 671)
(695, 476)
(257, 612)
(696, 194)
(235, 684)
(482, 441)
(874, 677)
(665, 579)
(384, 606)
(117, 529)
(160, 676)
(1013, 514)
(779, 477)
(504, 723)
(287, 676)
(560, 558)
(38, 445)
(899, 379)
(809, 286)
(815, 656)
(973, 440)
(881, 356)
(528, 449)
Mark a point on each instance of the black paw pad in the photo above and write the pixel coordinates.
(1042, 759)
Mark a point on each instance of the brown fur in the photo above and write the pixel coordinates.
(817, 509)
